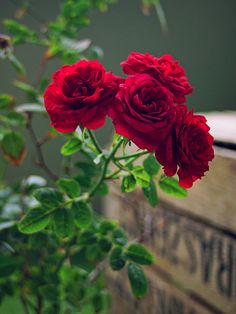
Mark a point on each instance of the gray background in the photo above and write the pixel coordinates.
(201, 35)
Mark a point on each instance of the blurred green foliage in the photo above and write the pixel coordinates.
(53, 246)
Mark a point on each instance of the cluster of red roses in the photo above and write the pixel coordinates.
(147, 107)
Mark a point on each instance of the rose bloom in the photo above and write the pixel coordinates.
(80, 94)
(188, 148)
(164, 69)
(145, 111)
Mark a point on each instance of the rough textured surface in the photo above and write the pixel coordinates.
(193, 239)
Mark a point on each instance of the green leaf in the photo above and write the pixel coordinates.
(138, 253)
(63, 222)
(87, 237)
(119, 236)
(151, 166)
(3, 132)
(170, 186)
(137, 279)
(13, 146)
(49, 292)
(49, 197)
(141, 176)
(93, 252)
(53, 50)
(117, 260)
(95, 52)
(35, 220)
(108, 225)
(128, 184)
(101, 302)
(103, 189)
(87, 308)
(69, 56)
(6, 224)
(161, 15)
(17, 65)
(76, 45)
(89, 168)
(17, 29)
(33, 182)
(71, 146)
(69, 186)
(38, 240)
(9, 264)
(14, 118)
(6, 100)
(105, 244)
(151, 194)
(82, 214)
(85, 181)
(80, 259)
(28, 89)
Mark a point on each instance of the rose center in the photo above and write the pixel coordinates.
(83, 89)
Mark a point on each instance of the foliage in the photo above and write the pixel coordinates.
(54, 246)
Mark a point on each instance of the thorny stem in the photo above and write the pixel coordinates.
(44, 139)
(138, 154)
(97, 271)
(95, 142)
(41, 162)
(105, 166)
(67, 166)
(119, 165)
(115, 173)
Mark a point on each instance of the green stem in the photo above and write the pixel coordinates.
(95, 142)
(132, 155)
(83, 197)
(31, 305)
(105, 166)
(115, 173)
(62, 260)
(41, 161)
(3, 169)
(119, 165)
(25, 305)
(39, 304)
(161, 16)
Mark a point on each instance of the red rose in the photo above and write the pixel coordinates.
(80, 94)
(139, 63)
(145, 112)
(188, 147)
(164, 69)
